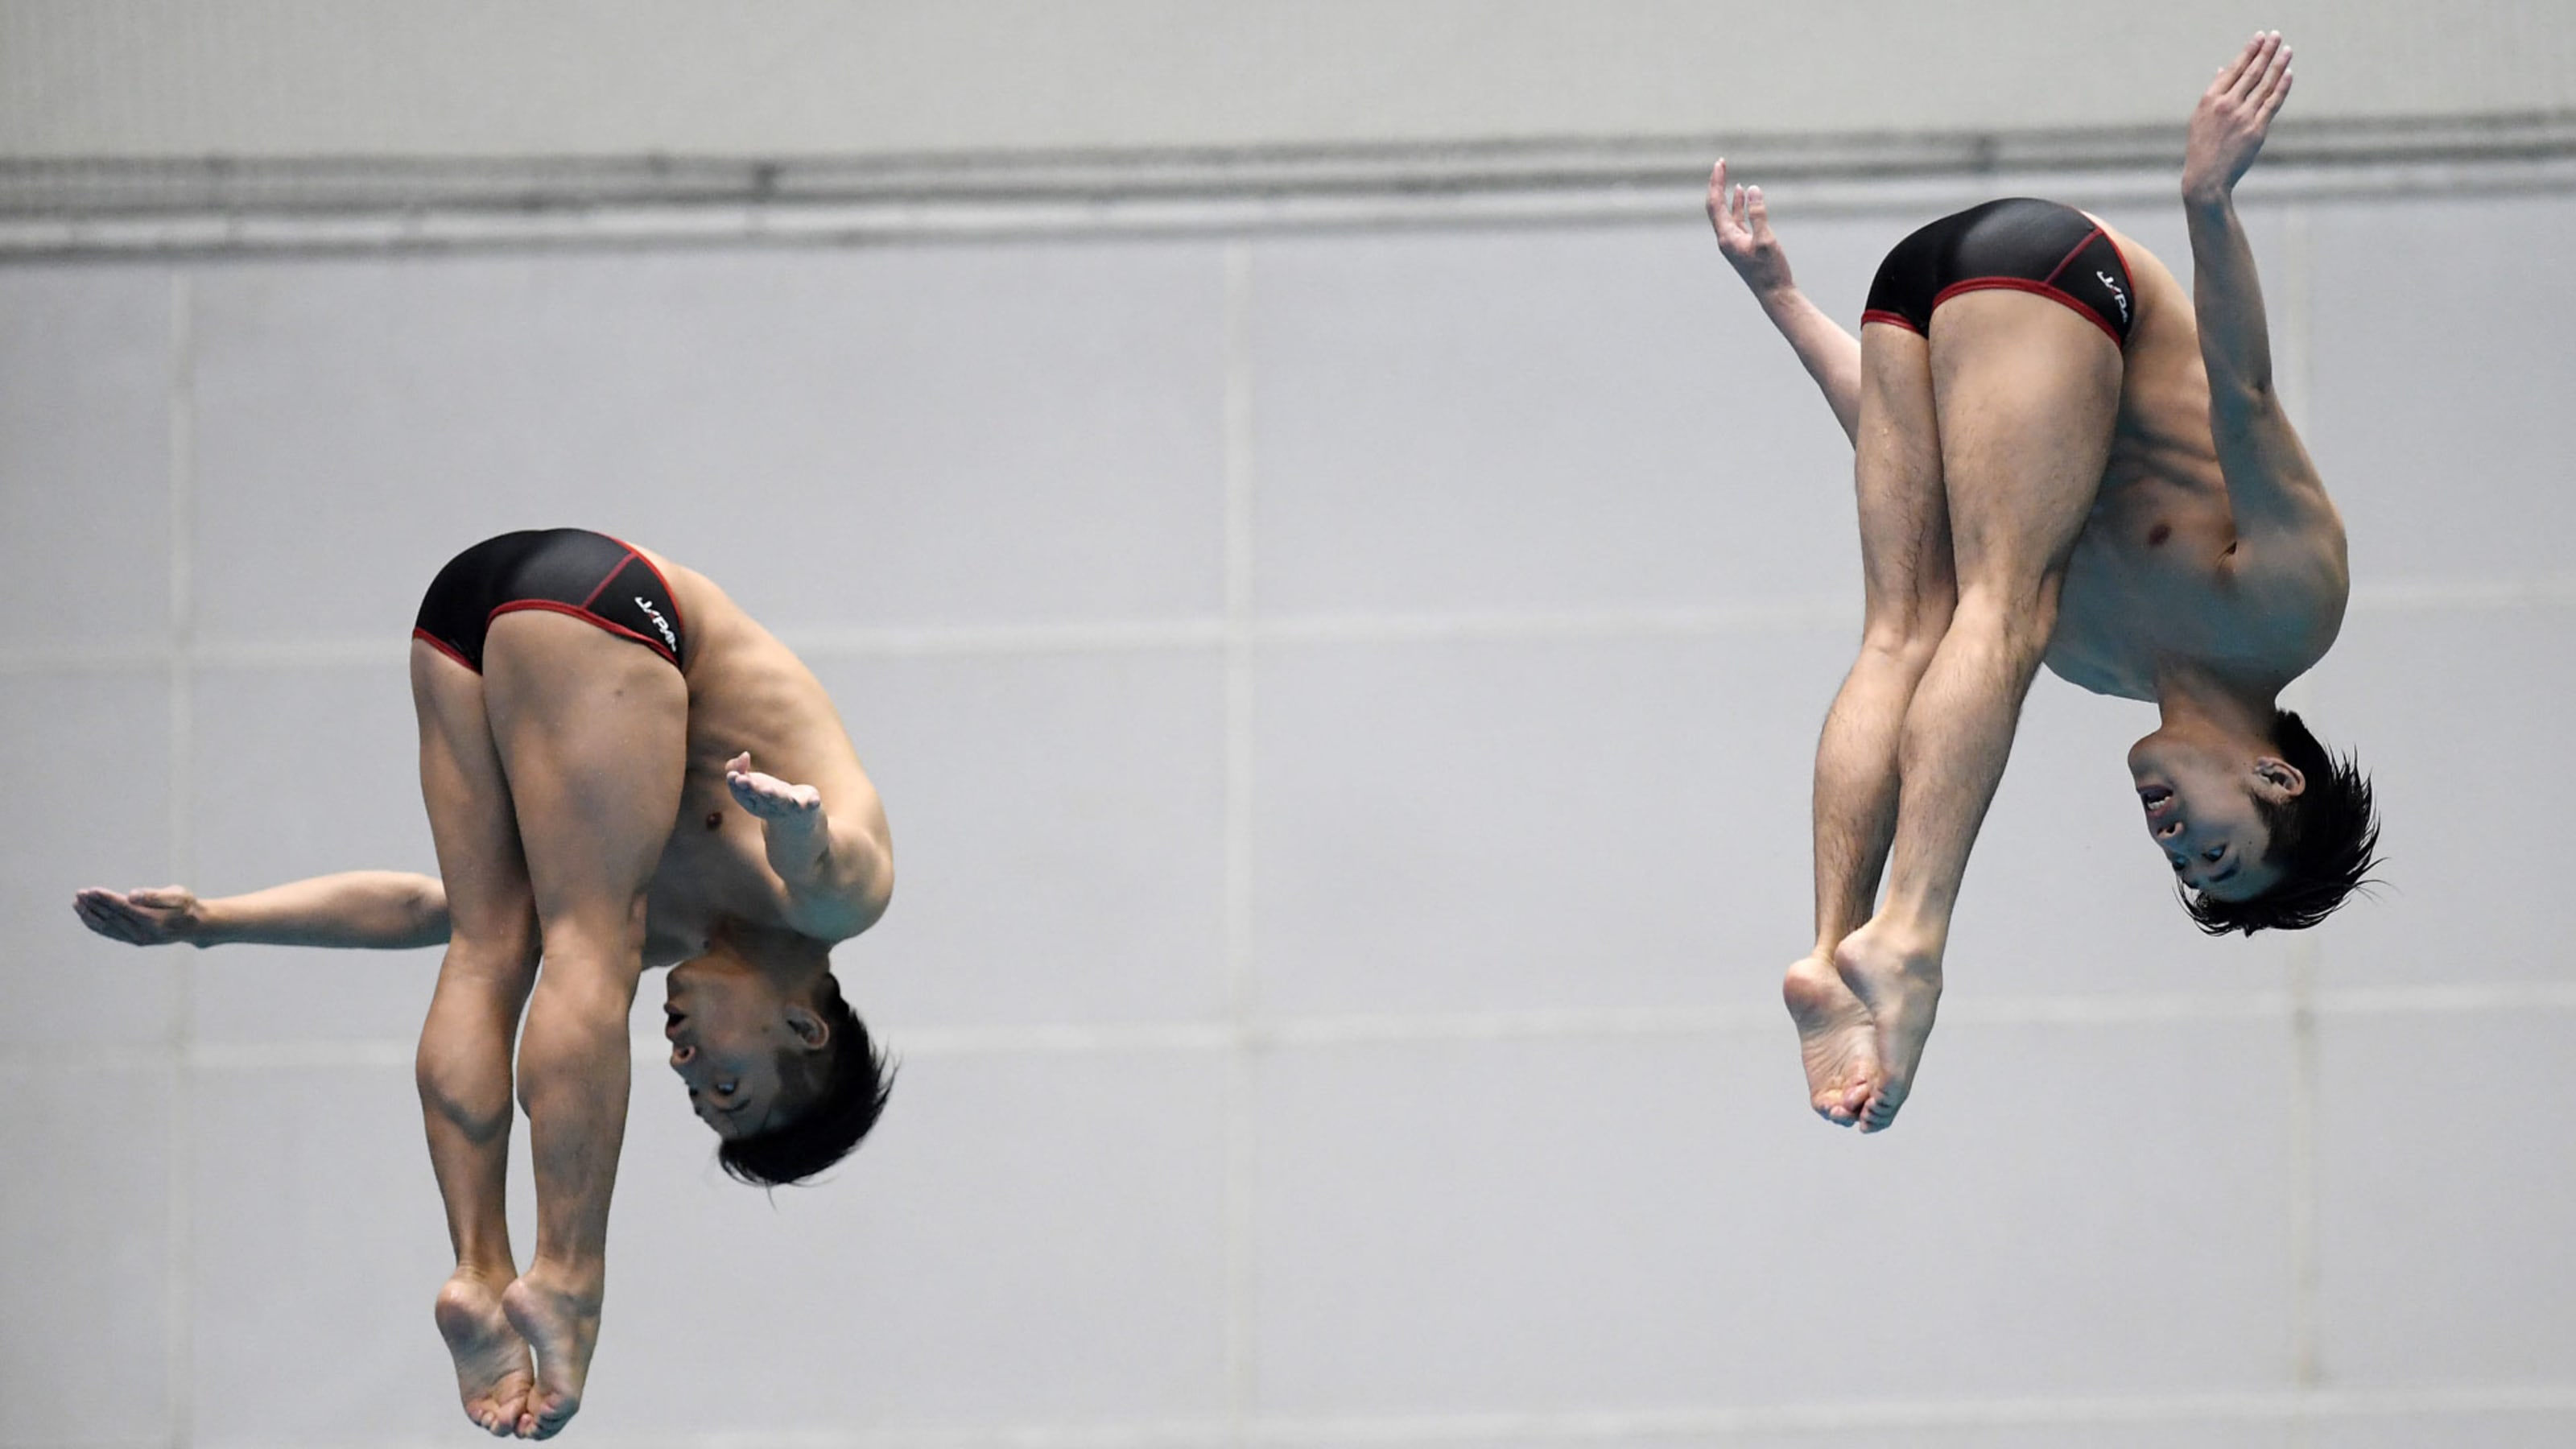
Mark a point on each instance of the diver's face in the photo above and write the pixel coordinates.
(2201, 809)
(728, 1029)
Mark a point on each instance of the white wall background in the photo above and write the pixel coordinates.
(1345, 703)
(267, 78)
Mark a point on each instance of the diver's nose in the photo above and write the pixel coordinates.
(681, 1056)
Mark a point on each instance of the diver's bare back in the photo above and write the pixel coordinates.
(747, 693)
(2160, 572)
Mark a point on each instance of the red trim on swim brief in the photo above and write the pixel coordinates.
(2037, 289)
(2072, 253)
(443, 647)
(557, 606)
(1892, 319)
(679, 621)
(609, 577)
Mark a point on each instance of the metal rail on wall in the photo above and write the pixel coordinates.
(61, 209)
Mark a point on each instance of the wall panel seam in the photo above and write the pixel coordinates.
(1242, 1157)
(1361, 1029)
(1609, 1425)
(179, 1356)
(1390, 627)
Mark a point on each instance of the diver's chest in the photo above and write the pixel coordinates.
(2123, 610)
(715, 867)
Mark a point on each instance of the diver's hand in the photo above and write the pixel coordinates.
(153, 916)
(2233, 117)
(795, 836)
(1743, 226)
(767, 797)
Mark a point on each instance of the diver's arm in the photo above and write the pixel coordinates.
(353, 910)
(837, 868)
(1831, 354)
(2272, 487)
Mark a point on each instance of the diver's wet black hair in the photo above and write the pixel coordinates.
(843, 1094)
(2325, 841)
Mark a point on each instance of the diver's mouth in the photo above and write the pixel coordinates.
(672, 1017)
(2155, 797)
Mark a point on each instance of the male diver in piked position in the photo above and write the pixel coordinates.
(2062, 458)
(590, 715)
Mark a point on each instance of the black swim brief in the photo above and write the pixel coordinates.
(2018, 243)
(569, 570)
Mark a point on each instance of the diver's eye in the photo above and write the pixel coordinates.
(2213, 854)
(726, 1089)
(2178, 866)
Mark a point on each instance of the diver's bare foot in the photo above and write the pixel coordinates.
(562, 1325)
(1836, 1038)
(492, 1376)
(1902, 990)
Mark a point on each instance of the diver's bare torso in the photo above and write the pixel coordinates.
(747, 693)
(2159, 573)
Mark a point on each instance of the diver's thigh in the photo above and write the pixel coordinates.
(592, 732)
(472, 824)
(1906, 567)
(2027, 393)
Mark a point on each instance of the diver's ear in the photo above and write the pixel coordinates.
(2284, 777)
(810, 1029)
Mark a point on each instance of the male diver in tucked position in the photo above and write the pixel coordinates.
(590, 714)
(2062, 458)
